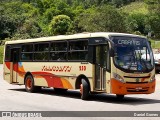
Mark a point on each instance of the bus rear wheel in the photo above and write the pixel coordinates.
(29, 84)
(84, 89)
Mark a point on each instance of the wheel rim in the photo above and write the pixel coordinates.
(29, 83)
(81, 89)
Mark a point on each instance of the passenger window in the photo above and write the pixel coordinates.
(58, 51)
(26, 56)
(27, 52)
(42, 47)
(59, 46)
(59, 56)
(78, 45)
(41, 56)
(78, 55)
(27, 48)
(78, 50)
(41, 52)
(7, 53)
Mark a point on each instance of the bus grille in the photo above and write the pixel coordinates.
(136, 82)
(137, 90)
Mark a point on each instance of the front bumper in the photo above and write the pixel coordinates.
(120, 88)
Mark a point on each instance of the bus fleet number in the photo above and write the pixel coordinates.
(82, 68)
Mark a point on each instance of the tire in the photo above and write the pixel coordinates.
(120, 97)
(29, 84)
(60, 90)
(84, 89)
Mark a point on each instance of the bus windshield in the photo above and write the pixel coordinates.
(133, 54)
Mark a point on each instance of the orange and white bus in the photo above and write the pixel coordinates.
(91, 62)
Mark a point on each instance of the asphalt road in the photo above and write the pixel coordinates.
(15, 98)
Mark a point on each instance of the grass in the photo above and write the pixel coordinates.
(155, 43)
(1, 54)
(135, 7)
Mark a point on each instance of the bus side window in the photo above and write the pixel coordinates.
(27, 52)
(78, 45)
(58, 51)
(8, 53)
(78, 50)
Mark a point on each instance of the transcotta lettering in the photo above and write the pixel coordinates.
(57, 68)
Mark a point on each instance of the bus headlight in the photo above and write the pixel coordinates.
(153, 78)
(118, 77)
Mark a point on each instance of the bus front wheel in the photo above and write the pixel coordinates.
(84, 89)
(29, 84)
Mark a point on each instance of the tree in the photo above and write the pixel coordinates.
(136, 22)
(153, 6)
(105, 18)
(153, 22)
(154, 16)
(29, 29)
(60, 25)
(13, 16)
(10, 18)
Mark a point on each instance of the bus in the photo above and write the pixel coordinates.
(100, 62)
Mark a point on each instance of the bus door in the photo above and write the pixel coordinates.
(100, 67)
(14, 64)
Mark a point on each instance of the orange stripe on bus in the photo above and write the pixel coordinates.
(66, 84)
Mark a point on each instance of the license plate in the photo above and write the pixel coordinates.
(138, 88)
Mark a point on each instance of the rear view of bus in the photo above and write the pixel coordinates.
(133, 71)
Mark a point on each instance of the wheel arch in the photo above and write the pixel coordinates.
(78, 81)
(28, 73)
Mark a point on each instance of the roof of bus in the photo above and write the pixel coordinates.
(74, 36)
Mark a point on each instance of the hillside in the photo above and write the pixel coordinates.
(23, 19)
(135, 7)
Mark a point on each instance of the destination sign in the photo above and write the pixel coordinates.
(128, 42)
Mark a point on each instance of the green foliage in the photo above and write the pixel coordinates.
(105, 18)
(9, 20)
(154, 21)
(13, 16)
(21, 19)
(1, 54)
(154, 16)
(60, 25)
(155, 43)
(136, 22)
(135, 7)
(153, 6)
(29, 29)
